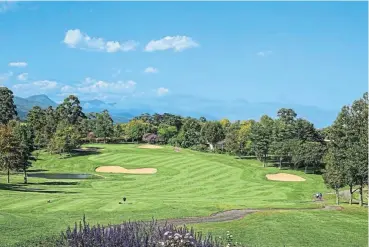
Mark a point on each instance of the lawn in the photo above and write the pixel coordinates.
(187, 183)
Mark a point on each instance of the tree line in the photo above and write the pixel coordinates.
(340, 150)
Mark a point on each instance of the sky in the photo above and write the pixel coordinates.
(304, 53)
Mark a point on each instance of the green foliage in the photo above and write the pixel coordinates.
(11, 156)
(7, 107)
(135, 129)
(166, 132)
(66, 138)
(212, 132)
(261, 137)
(24, 134)
(308, 154)
(104, 125)
(190, 133)
(348, 146)
(70, 110)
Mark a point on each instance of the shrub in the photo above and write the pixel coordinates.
(134, 234)
(200, 147)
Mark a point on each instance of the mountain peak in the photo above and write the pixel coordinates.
(43, 99)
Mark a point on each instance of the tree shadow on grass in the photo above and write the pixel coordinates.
(55, 183)
(23, 188)
(37, 170)
(82, 152)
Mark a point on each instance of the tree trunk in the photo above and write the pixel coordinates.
(306, 169)
(350, 194)
(211, 146)
(25, 175)
(8, 175)
(337, 196)
(264, 163)
(361, 201)
(280, 162)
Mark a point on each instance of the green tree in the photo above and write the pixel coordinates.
(10, 152)
(202, 119)
(244, 140)
(50, 123)
(191, 132)
(37, 120)
(261, 138)
(25, 137)
(225, 123)
(104, 125)
(66, 138)
(334, 176)
(308, 154)
(71, 110)
(232, 143)
(212, 132)
(167, 132)
(7, 106)
(348, 144)
(135, 129)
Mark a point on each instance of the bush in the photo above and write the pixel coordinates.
(134, 234)
(200, 147)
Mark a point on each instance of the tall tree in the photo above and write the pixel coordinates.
(37, 120)
(50, 123)
(10, 153)
(25, 137)
(71, 110)
(104, 125)
(191, 132)
(66, 138)
(212, 132)
(334, 176)
(135, 129)
(261, 138)
(308, 154)
(7, 106)
(348, 144)
(166, 132)
(232, 143)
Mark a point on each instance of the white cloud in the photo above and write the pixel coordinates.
(92, 86)
(18, 64)
(76, 39)
(264, 53)
(67, 88)
(46, 84)
(177, 43)
(22, 77)
(162, 91)
(37, 85)
(151, 70)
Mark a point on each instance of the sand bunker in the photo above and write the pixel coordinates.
(119, 169)
(149, 146)
(285, 177)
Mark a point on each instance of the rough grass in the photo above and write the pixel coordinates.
(187, 183)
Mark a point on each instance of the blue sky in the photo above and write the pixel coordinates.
(305, 53)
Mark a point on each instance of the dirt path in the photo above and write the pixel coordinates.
(234, 214)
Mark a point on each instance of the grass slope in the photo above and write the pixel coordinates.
(187, 183)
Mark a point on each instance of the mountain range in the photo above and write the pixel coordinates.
(178, 104)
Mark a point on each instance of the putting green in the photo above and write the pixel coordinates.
(189, 184)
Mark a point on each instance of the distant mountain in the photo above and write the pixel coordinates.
(184, 105)
(24, 105)
(43, 100)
